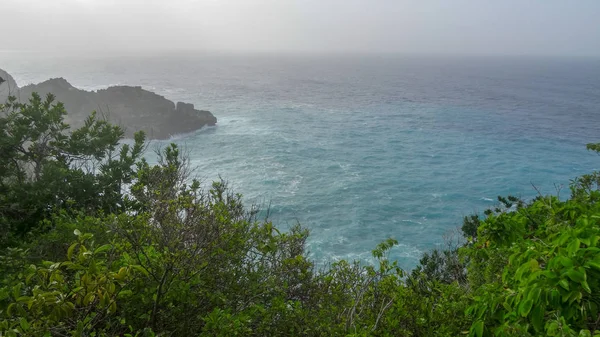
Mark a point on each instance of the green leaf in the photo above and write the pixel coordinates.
(575, 275)
(525, 307)
(565, 261)
(586, 241)
(89, 298)
(140, 269)
(537, 317)
(593, 264)
(102, 248)
(125, 293)
(24, 324)
(564, 283)
(573, 246)
(586, 287)
(563, 239)
(534, 294)
(552, 328)
(477, 329)
(76, 290)
(77, 232)
(10, 308)
(521, 270)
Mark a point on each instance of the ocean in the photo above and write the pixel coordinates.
(359, 148)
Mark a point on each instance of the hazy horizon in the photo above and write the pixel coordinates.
(437, 27)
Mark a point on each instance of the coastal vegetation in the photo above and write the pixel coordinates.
(96, 241)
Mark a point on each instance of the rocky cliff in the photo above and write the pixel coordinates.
(131, 107)
(8, 86)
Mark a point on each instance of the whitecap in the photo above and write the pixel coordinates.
(294, 184)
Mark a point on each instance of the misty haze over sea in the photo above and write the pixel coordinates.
(360, 148)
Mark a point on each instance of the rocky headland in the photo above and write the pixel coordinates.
(133, 108)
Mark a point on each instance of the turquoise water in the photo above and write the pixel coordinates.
(364, 148)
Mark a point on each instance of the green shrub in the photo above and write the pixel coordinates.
(157, 254)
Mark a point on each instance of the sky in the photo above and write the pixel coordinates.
(462, 27)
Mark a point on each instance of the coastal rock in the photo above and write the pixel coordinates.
(131, 107)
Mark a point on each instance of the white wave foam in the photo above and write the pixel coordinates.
(412, 221)
(180, 136)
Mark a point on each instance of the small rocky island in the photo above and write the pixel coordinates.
(133, 108)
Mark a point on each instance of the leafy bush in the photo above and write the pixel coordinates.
(146, 250)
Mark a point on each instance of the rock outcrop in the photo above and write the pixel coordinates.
(8, 86)
(131, 107)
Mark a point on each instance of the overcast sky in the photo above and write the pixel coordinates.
(506, 27)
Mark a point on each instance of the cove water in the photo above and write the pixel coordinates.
(361, 148)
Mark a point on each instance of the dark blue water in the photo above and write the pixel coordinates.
(361, 148)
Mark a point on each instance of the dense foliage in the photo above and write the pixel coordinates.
(98, 242)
